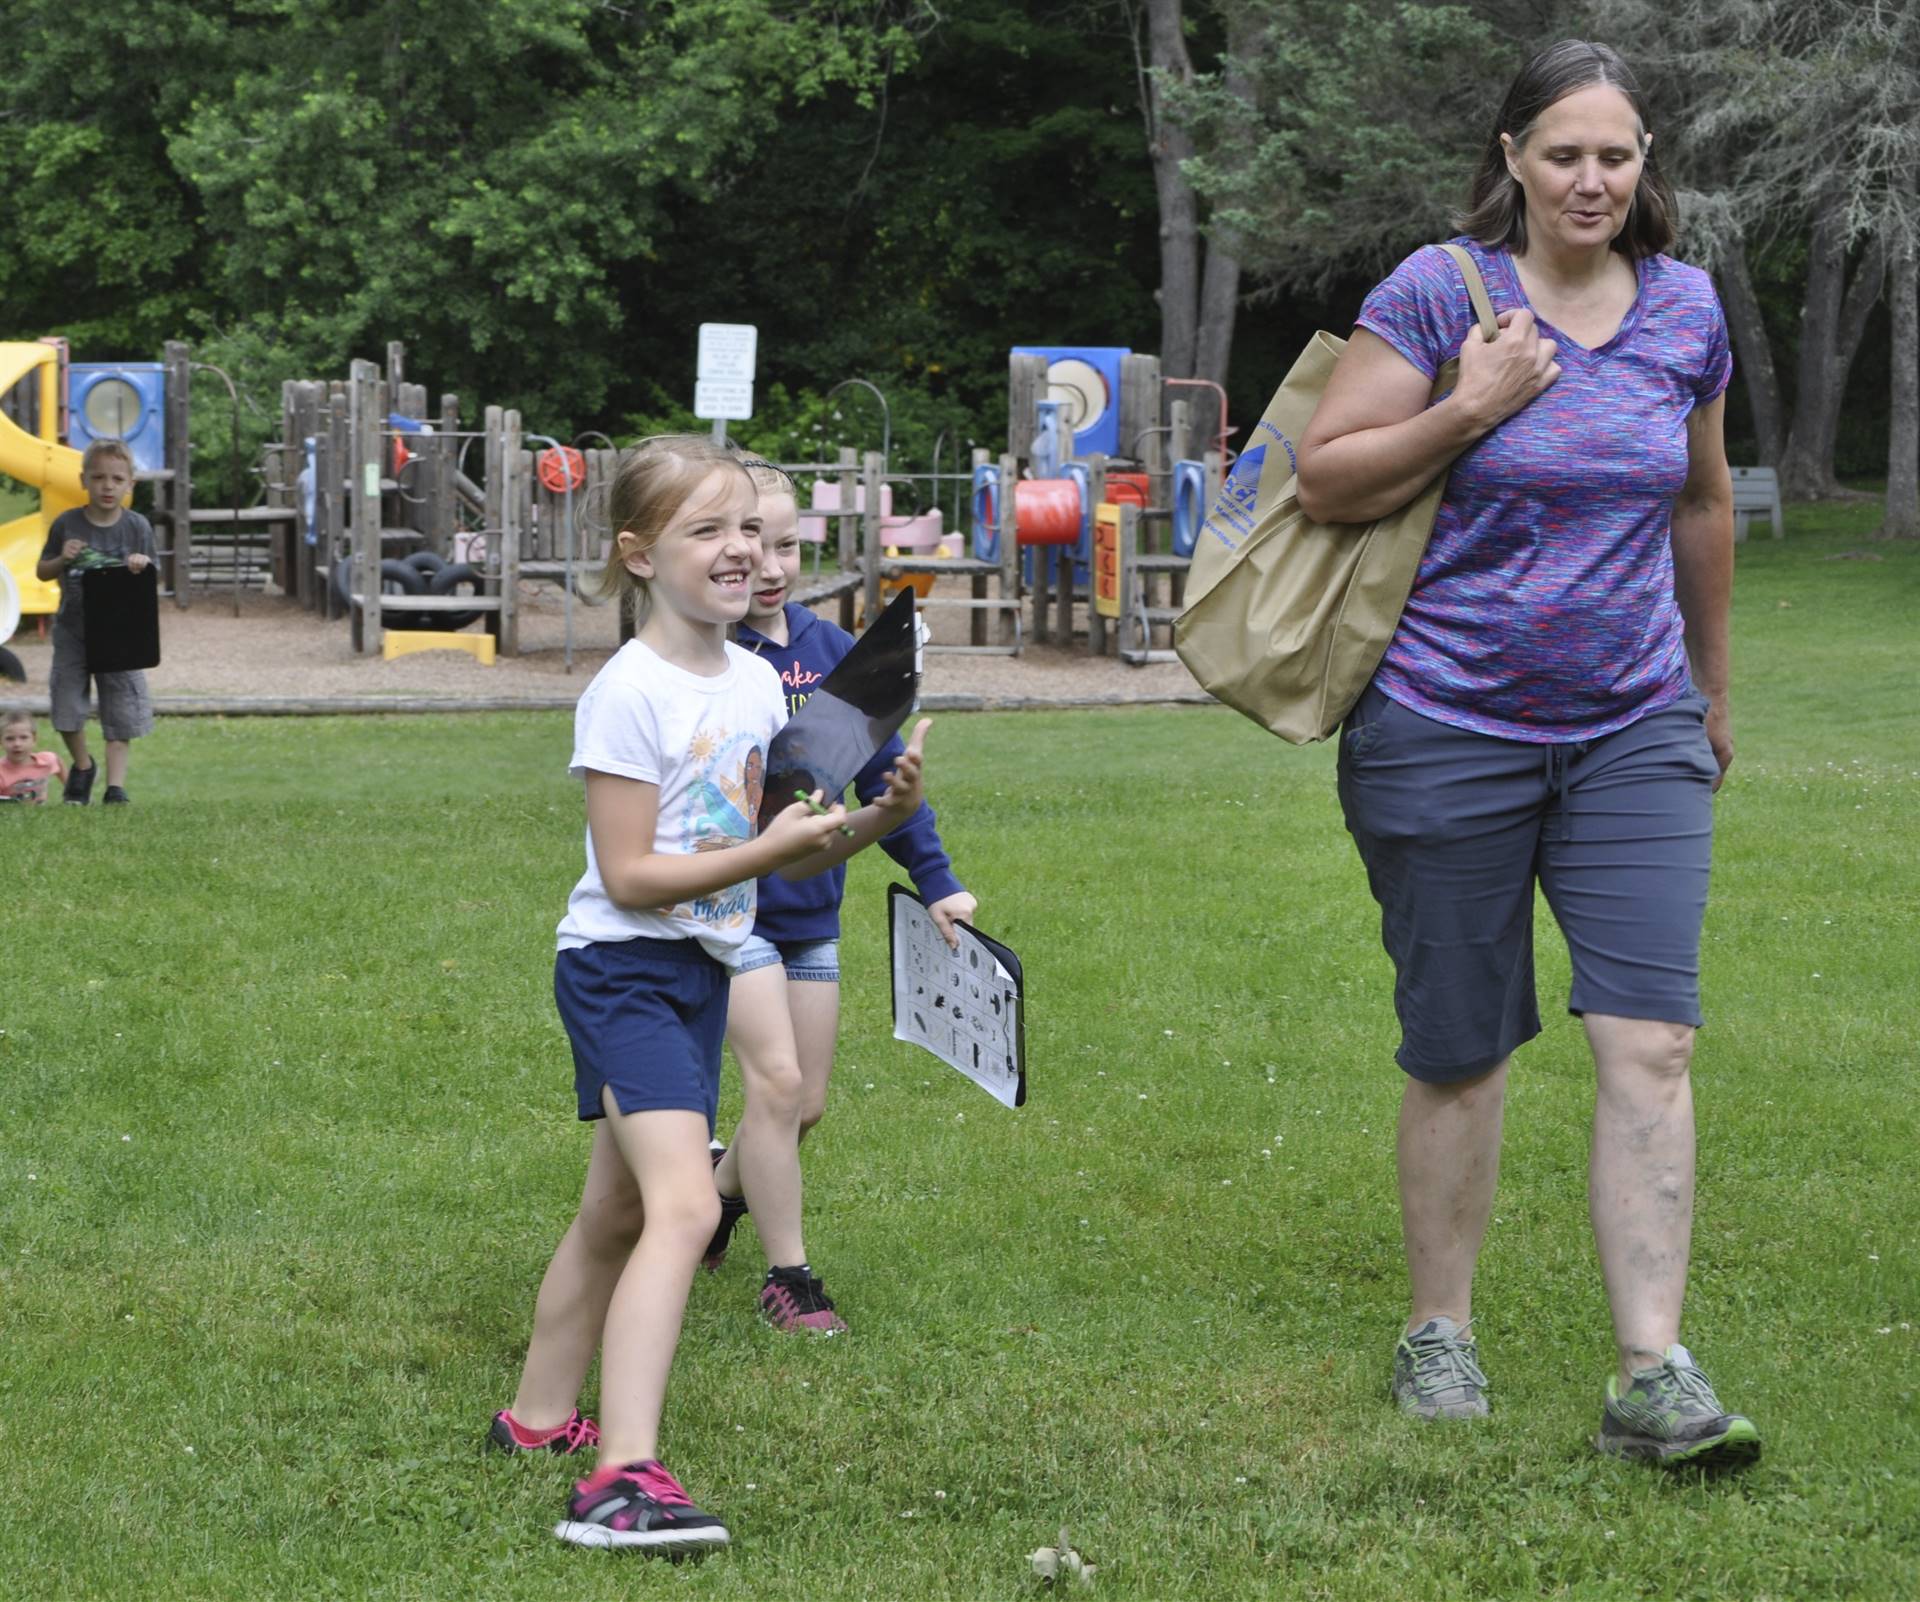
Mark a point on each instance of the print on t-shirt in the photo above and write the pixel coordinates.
(722, 800)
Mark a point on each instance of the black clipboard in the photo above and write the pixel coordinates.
(969, 1008)
(856, 709)
(122, 612)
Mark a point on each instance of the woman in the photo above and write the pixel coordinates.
(1552, 709)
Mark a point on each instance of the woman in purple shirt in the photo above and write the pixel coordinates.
(1552, 710)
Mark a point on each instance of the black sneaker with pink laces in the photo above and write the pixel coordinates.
(638, 1505)
(794, 1299)
(508, 1434)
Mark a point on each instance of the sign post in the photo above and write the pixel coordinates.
(723, 383)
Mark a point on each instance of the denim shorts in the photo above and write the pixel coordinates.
(1456, 829)
(645, 1018)
(818, 960)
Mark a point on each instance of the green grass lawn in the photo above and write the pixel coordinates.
(286, 1139)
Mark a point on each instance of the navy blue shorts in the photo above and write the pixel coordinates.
(1456, 828)
(646, 1018)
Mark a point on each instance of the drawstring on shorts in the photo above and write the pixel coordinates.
(1558, 757)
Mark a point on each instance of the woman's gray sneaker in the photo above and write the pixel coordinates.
(1670, 1415)
(1436, 1373)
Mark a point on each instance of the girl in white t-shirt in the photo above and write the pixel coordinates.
(671, 738)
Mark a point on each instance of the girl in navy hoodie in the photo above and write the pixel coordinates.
(784, 1010)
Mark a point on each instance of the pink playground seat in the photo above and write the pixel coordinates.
(825, 497)
(926, 532)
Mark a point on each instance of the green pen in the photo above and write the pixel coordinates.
(801, 795)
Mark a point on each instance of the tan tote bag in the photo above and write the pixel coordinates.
(1286, 619)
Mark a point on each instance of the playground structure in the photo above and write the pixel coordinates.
(31, 451)
(1117, 529)
(373, 507)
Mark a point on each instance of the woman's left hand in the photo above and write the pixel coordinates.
(1720, 736)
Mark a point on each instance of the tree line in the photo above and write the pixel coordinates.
(545, 197)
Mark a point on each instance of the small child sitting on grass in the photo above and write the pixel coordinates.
(118, 533)
(25, 773)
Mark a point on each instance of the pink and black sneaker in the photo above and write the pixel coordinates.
(732, 1210)
(794, 1299)
(510, 1435)
(638, 1505)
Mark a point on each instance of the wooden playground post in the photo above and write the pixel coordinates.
(873, 475)
(283, 492)
(363, 500)
(1026, 388)
(179, 412)
(849, 458)
(1179, 435)
(445, 456)
(1140, 404)
(339, 457)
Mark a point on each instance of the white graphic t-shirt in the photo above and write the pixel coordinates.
(703, 741)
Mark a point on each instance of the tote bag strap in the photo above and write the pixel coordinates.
(1476, 290)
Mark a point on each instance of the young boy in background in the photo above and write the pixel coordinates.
(108, 526)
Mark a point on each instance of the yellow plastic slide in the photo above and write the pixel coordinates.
(42, 464)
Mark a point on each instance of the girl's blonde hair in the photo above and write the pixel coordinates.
(16, 714)
(651, 484)
(768, 479)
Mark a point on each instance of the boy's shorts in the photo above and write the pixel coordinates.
(1455, 828)
(126, 707)
(818, 960)
(646, 1018)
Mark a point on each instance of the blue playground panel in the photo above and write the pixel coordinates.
(1087, 379)
(120, 400)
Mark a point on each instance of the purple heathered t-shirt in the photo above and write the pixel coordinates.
(1544, 606)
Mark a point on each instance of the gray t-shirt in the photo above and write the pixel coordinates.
(122, 538)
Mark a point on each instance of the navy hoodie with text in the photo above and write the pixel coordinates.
(809, 909)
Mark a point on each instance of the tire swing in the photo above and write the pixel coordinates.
(447, 582)
(396, 578)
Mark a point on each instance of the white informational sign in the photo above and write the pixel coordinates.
(964, 1006)
(723, 382)
(715, 400)
(726, 352)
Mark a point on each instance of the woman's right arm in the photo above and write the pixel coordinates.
(1374, 442)
(621, 817)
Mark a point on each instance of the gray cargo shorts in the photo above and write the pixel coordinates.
(1456, 828)
(126, 706)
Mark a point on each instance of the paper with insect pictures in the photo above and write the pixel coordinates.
(966, 1007)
